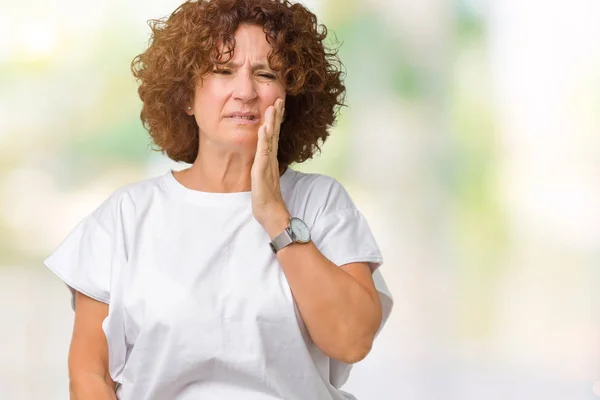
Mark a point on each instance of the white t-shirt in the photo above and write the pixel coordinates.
(199, 307)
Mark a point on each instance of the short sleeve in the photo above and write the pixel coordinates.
(83, 260)
(343, 235)
(91, 260)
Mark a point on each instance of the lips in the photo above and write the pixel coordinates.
(248, 116)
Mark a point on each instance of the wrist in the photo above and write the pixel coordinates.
(276, 223)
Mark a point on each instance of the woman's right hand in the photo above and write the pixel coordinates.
(88, 355)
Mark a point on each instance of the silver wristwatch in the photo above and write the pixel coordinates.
(296, 232)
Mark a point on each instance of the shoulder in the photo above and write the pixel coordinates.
(321, 192)
(128, 200)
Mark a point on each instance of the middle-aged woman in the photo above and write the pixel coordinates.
(238, 277)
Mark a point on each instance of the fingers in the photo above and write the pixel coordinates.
(268, 133)
(265, 146)
(265, 134)
(279, 110)
(270, 117)
(274, 117)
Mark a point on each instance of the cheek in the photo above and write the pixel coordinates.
(278, 91)
(271, 93)
(208, 104)
(210, 93)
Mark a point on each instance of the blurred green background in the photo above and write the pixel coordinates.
(471, 143)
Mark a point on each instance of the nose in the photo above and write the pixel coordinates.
(243, 87)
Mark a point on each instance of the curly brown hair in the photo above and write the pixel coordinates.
(200, 34)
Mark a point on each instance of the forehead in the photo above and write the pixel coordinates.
(251, 41)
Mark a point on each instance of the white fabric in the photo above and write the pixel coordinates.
(198, 305)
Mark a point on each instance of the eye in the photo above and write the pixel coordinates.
(267, 75)
(222, 71)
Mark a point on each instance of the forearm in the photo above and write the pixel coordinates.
(87, 386)
(341, 315)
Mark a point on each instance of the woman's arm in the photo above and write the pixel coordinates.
(340, 306)
(88, 355)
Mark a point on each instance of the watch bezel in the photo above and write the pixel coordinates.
(293, 232)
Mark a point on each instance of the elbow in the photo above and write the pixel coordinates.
(350, 342)
(357, 343)
(355, 353)
(83, 385)
(352, 348)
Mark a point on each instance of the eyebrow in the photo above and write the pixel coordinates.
(258, 65)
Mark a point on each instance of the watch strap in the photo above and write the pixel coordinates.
(280, 241)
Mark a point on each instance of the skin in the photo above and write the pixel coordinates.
(88, 353)
(339, 304)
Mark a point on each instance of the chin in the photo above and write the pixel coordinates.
(243, 139)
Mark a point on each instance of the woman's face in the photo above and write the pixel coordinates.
(230, 102)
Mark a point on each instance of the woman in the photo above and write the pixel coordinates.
(237, 277)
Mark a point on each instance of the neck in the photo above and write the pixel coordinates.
(219, 172)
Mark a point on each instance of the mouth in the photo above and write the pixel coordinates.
(246, 117)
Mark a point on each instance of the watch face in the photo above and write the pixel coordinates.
(300, 230)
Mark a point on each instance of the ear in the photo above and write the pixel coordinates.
(189, 110)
